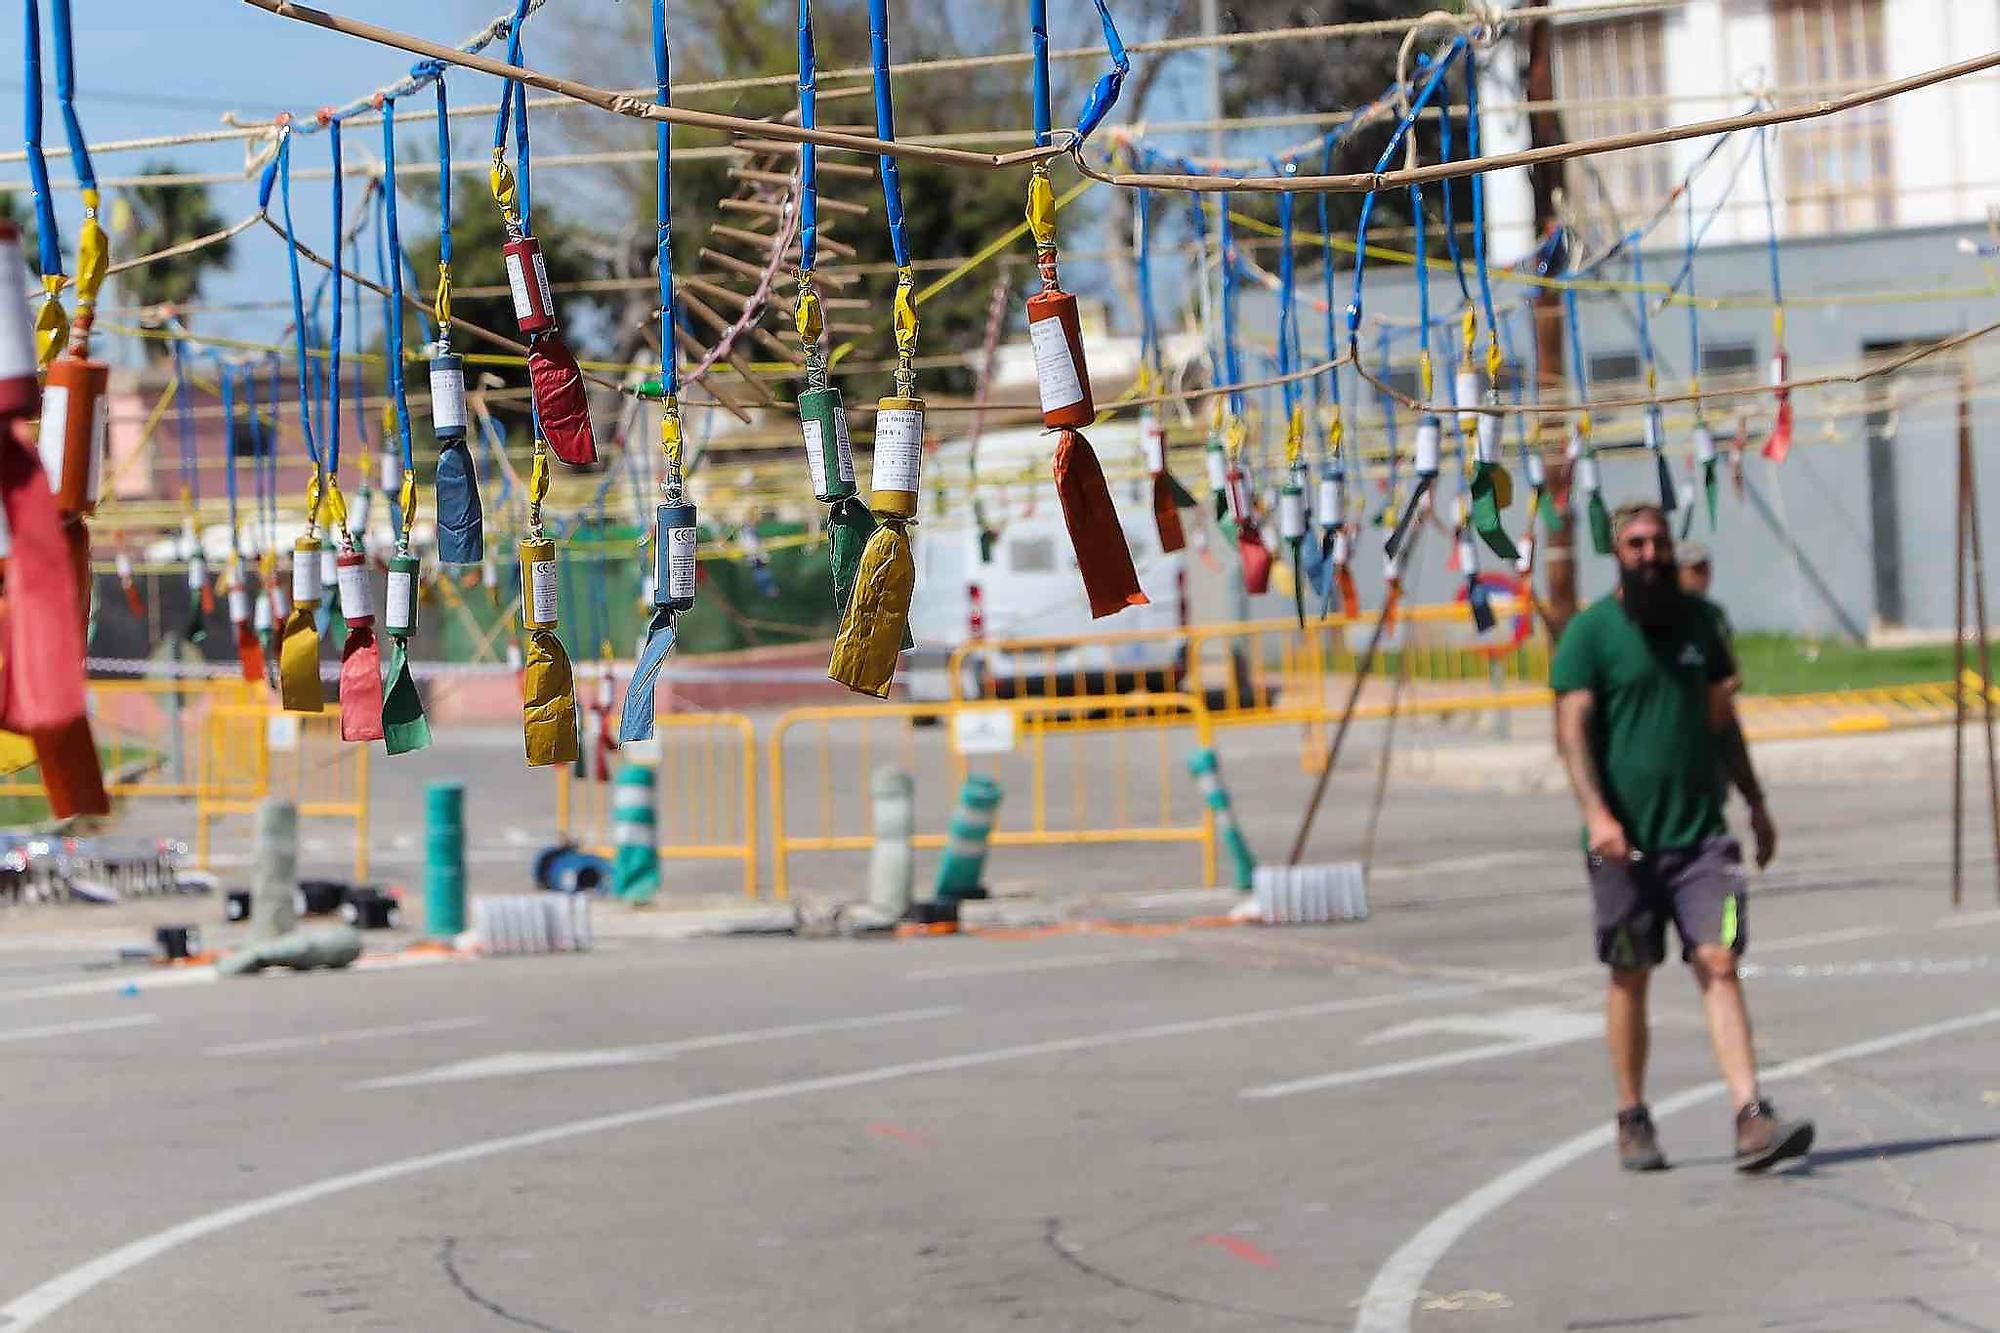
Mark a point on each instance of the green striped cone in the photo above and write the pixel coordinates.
(1207, 772)
(965, 848)
(636, 866)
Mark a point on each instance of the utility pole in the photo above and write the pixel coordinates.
(1545, 180)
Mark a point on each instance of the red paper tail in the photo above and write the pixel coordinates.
(1350, 596)
(1102, 556)
(43, 638)
(561, 401)
(361, 686)
(72, 774)
(1256, 559)
(1166, 515)
(135, 601)
(250, 653)
(1780, 443)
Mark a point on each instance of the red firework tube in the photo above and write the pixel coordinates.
(1056, 334)
(72, 437)
(528, 281)
(357, 597)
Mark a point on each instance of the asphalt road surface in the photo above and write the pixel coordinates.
(1402, 1124)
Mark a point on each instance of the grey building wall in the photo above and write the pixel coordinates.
(1868, 500)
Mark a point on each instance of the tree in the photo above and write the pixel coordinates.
(153, 217)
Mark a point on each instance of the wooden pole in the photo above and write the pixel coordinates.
(1969, 465)
(1958, 678)
(1557, 547)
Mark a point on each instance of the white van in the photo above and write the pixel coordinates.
(1030, 587)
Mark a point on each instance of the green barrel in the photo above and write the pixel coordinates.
(965, 848)
(636, 867)
(1207, 770)
(444, 859)
(829, 456)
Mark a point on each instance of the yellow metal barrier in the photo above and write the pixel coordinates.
(1135, 791)
(705, 799)
(147, 734)
(250, 752)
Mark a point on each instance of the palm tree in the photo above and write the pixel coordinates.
(152, 217)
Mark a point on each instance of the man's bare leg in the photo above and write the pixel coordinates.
(1625, 1031)
(1728, 1020)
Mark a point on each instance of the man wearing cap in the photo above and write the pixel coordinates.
(1644, 719)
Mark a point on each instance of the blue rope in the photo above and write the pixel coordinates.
(1770, 214)
(1288, 311)
(1038, 88)
(1149, 321)
(1693, 307)
(514, 101)
(227, 377)
(1104, 93)
(393, 310)
(1232, 365)
(48, 242)
(885, 128)
(663, 136)
(79, 150)
(808, 153)
(444, 174)
(333, 342)
(1388, 401)
(184, 423)
(1444, 197)
(1472, 153)
(1438, 68)
(284, 166)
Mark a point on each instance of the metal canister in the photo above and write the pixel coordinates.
(357, 595)
(675, 547)
(899, 456)
(448, 396)
(541, 606)
(72, 432)
(1430, 434)
(399, 604)
(829, 451)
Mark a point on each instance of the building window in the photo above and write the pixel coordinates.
(1719, 359)
(1611, 78)
(1614, 367)
(1836, 171)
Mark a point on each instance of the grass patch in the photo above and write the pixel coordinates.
(1781, 664)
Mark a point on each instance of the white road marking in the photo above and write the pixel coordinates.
(1385, 1308)
(1845, 935)
(37, 1304)
(514, 1064)
(313, 1040)
(1963, 920)
(1528, 1022)
(1422, 1064)
(1870, 967)
(161, 979)
(1039, 965)
(73, 1029)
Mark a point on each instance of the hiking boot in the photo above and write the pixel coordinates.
(1763, 1139)
(1638, 1144)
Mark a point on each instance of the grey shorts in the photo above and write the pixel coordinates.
(1700, 889)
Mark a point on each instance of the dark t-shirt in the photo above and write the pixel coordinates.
(1650, 729)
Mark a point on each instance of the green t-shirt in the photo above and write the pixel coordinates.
(1650, 732)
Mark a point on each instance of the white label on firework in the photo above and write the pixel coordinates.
(329, 568)
(1329, 502)
(1586, 471)
(1489, 439)
(843, 445)
(392, 472)
(1780, 368)
(197, 573)
(1655, 432)
(1392, 568)
(899, 449)
(1154, 438)
(357, 595)
(100, 440)
(1526, 560)
(239, 605)
(6, 536)
(517, 283)
(543, 605)
(1343, 549)
(1218, 468)
(1427, 447)
(1291, 513)
(1055, 367)
(124, 566)
(447, 398)
(1704, 445)
(306, 582)
(260, 618)
(281, 601)
(401, 599)
(55, 432)
(1537, 473)
(489, 575)
(682, 546)
(815, 453)
(542, 284)
(1468, 556)
(1465, 390)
